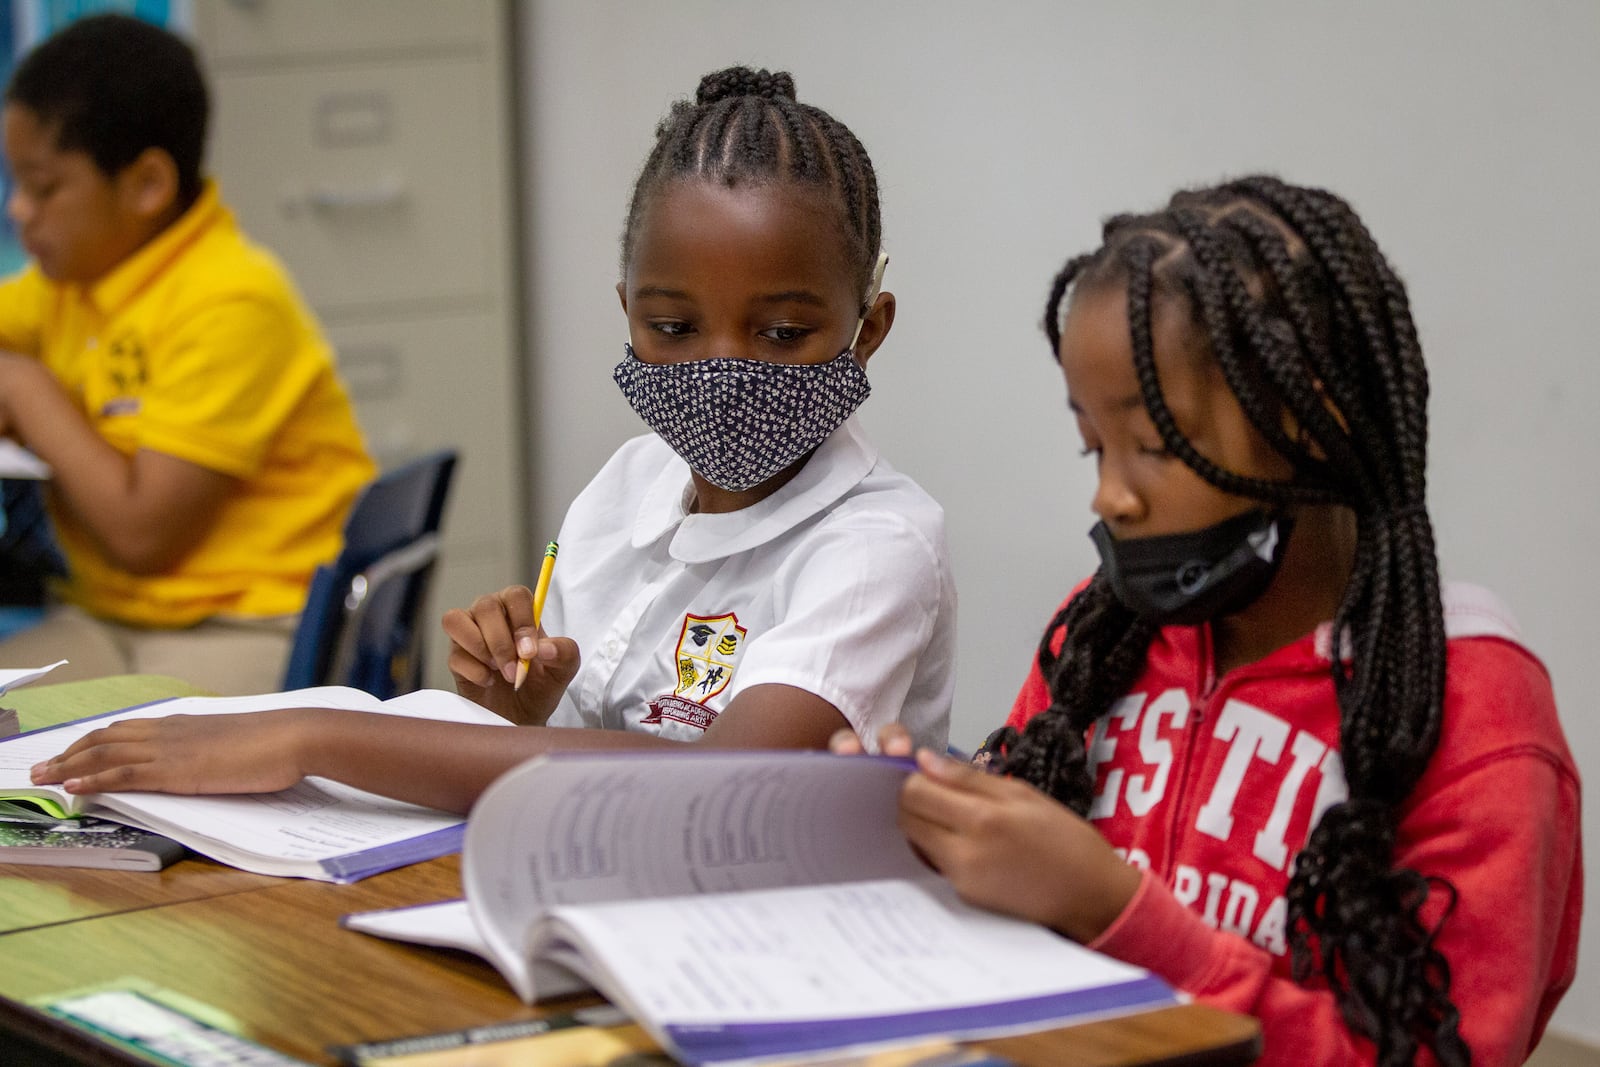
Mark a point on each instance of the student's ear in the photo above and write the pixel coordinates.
(149, 184)
(875, 327)
(622, 297)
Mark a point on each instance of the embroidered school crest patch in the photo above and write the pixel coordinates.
(127, 370)
(708, 652)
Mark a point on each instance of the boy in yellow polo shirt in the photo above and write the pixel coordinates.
(204, 452)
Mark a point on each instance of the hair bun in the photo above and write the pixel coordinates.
(742, 81)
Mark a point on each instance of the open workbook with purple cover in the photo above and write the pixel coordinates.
(745, 906)
(317, 829)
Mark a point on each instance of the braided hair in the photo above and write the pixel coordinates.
(1312, 330)
(745, 126)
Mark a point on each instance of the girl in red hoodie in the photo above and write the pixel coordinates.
(1263, 752)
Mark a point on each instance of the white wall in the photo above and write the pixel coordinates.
(1463, 130)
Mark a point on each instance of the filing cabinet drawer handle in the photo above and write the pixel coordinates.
(380, 195)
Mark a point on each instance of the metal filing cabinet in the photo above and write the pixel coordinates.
(368, 144)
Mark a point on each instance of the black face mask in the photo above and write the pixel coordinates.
(1184, 579)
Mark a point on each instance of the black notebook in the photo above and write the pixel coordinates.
(28, 837)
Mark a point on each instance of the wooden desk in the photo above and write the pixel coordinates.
(41, 896)
(269, 953)
(275, 960)
(32, 897)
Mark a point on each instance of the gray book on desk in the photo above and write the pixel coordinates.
(86, 842)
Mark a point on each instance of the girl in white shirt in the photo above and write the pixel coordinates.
(751, 574)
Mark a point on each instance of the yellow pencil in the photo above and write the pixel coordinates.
(539, 590)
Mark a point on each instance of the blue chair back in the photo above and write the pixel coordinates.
(29, 557)
(362, 624)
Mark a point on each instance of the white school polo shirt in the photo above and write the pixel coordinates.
(839, 584)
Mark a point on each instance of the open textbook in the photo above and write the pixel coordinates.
(742, 906)
(317, 829)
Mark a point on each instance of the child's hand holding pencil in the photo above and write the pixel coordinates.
(502, 659)
(546, 569)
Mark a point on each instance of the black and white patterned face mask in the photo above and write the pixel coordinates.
(738, 422)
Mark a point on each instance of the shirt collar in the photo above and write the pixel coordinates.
(836, 467)
(131, 276)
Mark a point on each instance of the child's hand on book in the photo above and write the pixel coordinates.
(257, 752)
(983, 831)
(486, 642)
(1008, 847)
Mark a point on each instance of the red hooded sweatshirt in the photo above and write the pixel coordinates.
(1211, 785)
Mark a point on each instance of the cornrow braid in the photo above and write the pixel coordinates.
(745, 126)
(1312, 329)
